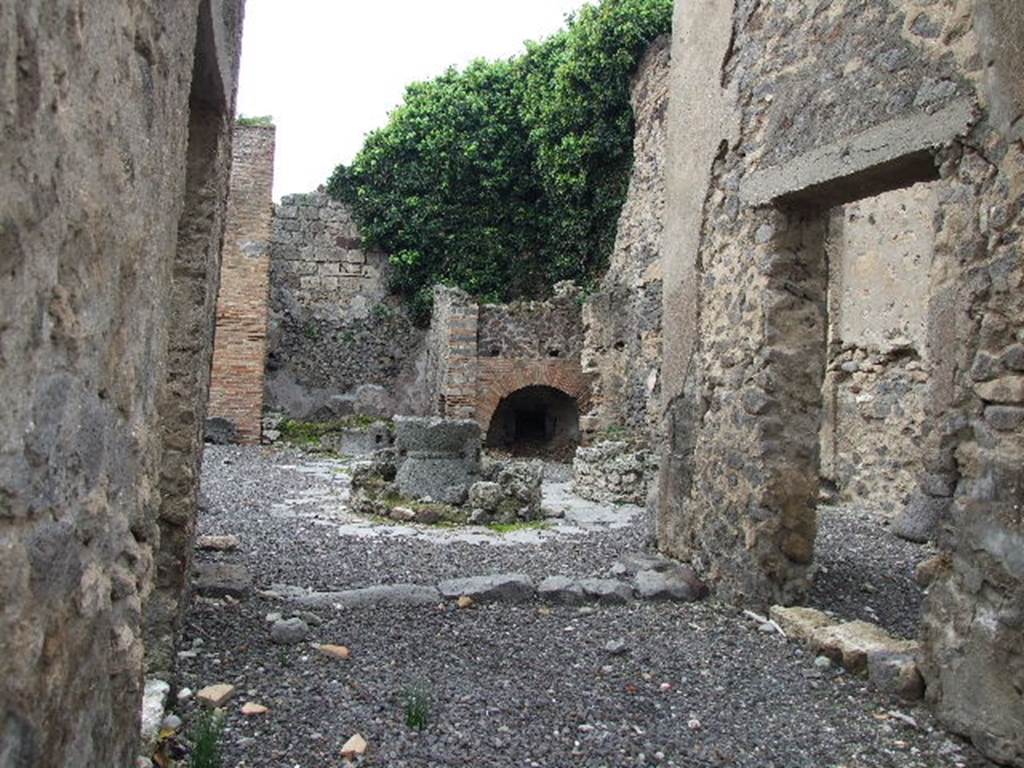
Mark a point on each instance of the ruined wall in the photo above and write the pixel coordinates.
(240, 342)
(622, 319)
(803, 107)
(530, 343)
(880, 258)
(479, 354)
(338, 342)
(451, 377)
(113, 178)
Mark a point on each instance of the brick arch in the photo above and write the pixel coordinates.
(500, 377)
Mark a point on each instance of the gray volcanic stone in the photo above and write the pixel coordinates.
(562, 590)
(609, 591)
(506, 587)
(896, 673)
(679, 584)
(634, 562)
(222, 580)
(388, 594)
(289, 631)
(220, 431)
(919, 520)
(438, 458)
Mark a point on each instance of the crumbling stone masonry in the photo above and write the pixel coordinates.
(339, 343)
(240, 342)
(116, 121)
(435, 473)
(622, 319)
(779, 112)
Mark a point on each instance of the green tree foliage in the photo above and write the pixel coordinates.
(508, 176)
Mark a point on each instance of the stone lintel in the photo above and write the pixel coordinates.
(888, 156)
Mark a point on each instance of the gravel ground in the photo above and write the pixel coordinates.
(865, 572)
(288, 510)
(524, 685)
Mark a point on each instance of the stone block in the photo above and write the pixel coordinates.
(799, 623)
(678, 584)
(506, 588)
(919, 520)
(561, 590)
(1006, 389)
(850, 643)
(1004, 418)
(438, 459)
(607, 591)
(896, 673)
(222, 580)
(154, 702)
(220, 431)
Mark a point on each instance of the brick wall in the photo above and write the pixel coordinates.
(452, 354)
(478, 355)
(236, 391)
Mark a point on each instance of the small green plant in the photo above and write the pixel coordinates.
(256, 121)
(206, 737)
(417, 706)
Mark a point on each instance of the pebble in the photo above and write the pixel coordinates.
(289, 631)
(354, 747)
(616, 647)
(215, 695)
(334, 651)
(184, 694)
(171, 722)
(823, 662)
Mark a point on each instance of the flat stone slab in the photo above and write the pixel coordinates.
(385, 594)
(799, 623)
(222, 580)
(561, 590)
(678, 584)
(633, 562)
(506, 588)
(608, 591)
(851, 643)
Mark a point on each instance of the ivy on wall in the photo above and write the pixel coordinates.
(508, 176)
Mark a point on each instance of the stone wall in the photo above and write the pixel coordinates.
(803, 107)
(113, 178)
(880, 258)
(240, 342)
(622, 319)
(338, 342)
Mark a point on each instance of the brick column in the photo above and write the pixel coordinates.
(240, 345)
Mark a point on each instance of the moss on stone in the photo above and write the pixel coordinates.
(310, 432)
(521, 525)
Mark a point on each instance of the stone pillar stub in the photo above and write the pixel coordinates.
(438, 458)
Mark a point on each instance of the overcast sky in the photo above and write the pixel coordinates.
(329, 71)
